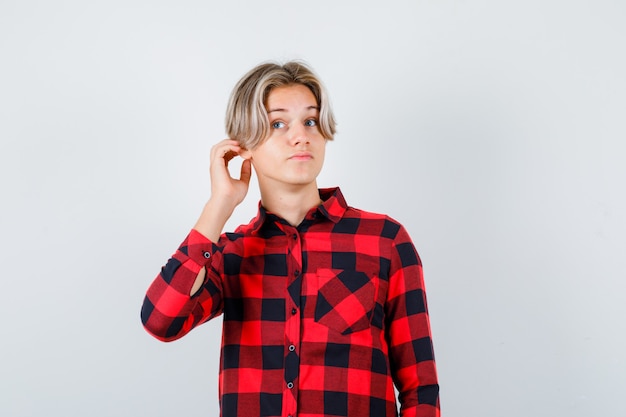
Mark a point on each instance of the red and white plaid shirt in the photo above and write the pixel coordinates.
(319, 319)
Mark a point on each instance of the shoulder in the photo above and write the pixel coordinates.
(375, 223)
(240, 233)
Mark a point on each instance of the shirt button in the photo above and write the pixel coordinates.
(294, 311)
(207, 255)
(290, 385)
(294, 236)
(292, 348)
(296, 273)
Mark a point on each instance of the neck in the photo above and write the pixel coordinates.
(292, 204)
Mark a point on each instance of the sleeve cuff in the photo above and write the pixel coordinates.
(198, 248)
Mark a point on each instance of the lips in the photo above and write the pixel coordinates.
(301, 156)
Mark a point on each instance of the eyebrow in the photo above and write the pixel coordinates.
(284, 110)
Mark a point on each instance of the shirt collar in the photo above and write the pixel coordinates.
(334, 204)
(333, 208)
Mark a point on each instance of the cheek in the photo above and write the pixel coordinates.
(323, 147)
(263, 159)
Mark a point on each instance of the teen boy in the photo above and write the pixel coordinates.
(324, 305)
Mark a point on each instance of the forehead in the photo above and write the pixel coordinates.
(293, 95)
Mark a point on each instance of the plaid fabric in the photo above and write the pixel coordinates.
(319, 320)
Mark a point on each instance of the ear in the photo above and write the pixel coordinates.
(245, 154)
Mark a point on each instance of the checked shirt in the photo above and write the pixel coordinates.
(318, 320)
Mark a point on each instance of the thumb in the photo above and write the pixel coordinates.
(246, 171)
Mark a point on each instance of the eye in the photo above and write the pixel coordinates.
(277, 125)
(311, 123)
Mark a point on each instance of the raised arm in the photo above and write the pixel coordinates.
(226, 194)
(182, 296)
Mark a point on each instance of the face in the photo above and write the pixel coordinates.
(293, 154)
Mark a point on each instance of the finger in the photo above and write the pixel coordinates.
(246, 171)
(225, 150)
(220, 150)
(229, 154)
(224, 143)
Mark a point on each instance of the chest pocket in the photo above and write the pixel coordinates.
(345, 300)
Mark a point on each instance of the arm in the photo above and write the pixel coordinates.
(183, 295)
(169, 311)
(226, 194)
(408, 332)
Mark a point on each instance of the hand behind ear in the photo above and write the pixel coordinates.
(226, 190)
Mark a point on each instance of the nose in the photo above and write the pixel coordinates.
(298, 134)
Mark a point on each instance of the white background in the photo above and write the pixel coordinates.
(493, 130)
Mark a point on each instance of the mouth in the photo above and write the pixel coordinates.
(301, 156)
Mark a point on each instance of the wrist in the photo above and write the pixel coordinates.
(213, 218)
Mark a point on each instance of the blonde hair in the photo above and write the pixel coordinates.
(246, 116)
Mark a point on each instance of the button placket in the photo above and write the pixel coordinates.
(292, 325)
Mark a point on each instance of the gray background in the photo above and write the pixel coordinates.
(494, 130)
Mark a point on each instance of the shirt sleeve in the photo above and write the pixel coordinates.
(169, 312)
(410, 343)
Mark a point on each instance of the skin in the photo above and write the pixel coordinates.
(286, 163)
